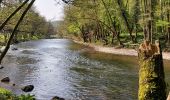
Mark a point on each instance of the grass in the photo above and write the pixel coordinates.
(5, 91)
(8, 95)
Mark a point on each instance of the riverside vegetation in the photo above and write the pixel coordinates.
(122, 23)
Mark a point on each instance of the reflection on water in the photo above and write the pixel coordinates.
(62, 68)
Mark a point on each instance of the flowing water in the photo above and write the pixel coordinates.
(59, 67)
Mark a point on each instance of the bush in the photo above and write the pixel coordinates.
(7, 95)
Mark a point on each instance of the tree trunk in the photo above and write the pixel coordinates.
(14, 31)
(152, 85)
(168, 33)
(128, 22)
(136, 34)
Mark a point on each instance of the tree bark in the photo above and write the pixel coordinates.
(128, 23)
(14, 31)
(152, 85)
(168, 33)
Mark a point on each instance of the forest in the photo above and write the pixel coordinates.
(124, 23)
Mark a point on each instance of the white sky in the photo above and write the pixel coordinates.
(50, 9)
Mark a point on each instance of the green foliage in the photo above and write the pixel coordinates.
(7, 95)
(161, 23)
(32, 25)
(26, 97)
(111, 18)
(1, 38)
(4, 91)
(35, 38)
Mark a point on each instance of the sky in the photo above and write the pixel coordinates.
(50, 9)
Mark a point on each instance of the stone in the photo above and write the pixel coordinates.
(57, 98)
(6, 80)
(1, 67)
(13, 84)
(27, 88)
(14, 48)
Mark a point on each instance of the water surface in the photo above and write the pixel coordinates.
(59, 67)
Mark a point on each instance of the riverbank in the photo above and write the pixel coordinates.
(118, 51)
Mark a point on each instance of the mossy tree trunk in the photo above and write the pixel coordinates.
(152, 85)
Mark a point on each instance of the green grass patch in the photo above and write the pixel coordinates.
(4, 91)
(8, 95)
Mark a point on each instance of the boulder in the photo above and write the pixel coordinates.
(57, 98)
(6, 80)
(27, 88)
(14, 48)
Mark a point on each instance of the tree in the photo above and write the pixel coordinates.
(14, 31)
(152, 84)
(126, 18)
(123, 19)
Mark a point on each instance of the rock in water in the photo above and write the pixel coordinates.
(6, 79)
(27, 88)
(13, 84)
(1, 67)
(57, 98)
(14, 48)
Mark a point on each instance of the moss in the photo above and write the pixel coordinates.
(151, 78)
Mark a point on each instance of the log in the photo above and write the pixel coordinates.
(152, 84)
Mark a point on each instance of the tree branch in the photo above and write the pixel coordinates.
(14, 31)
(3, 24)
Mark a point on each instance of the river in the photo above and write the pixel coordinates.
(60, 67)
